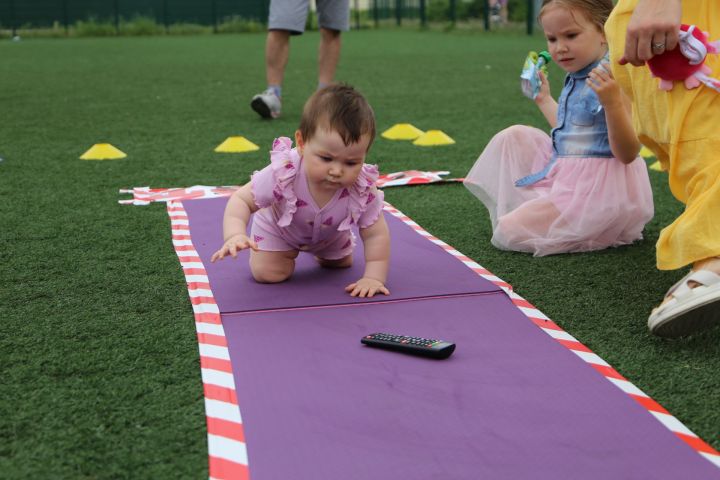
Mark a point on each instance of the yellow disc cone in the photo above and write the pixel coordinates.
(432, 138)
(657, 166)
(102, 151)
(646, 152)
(402, 131)
(236, 145)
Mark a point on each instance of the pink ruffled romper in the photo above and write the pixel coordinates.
(289, 218)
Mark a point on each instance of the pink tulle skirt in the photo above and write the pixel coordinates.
(582, 204)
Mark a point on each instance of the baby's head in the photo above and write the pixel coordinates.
(341, 109)
(336, 130)
(574, 30)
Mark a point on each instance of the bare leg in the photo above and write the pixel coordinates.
(277, 51)
(328, 55)
(272, 267)
(712, 264)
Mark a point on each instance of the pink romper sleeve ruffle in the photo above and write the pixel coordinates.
(366, 201)
(274, 183)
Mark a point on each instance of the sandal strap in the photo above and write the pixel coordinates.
(671, 291)
(703, 277)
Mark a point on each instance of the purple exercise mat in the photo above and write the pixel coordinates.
(510, 403)
(418, 268)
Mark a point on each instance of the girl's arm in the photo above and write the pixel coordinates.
(547, 105)
(237, 215)
(376, 239)
(624, 143)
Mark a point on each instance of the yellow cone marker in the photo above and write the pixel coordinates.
(236, 145)
(402, 131)
(646, 152)
(432, 138)
(102, 151)
(657, 167)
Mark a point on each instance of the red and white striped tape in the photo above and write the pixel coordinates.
(413, 177)
(226, 442)
(147, 195)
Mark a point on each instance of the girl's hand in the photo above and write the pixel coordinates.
(233, 245)
(604, 85)
(544, 93)
(366, 287)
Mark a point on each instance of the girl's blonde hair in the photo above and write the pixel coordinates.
(597, 11)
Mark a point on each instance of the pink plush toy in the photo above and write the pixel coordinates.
(686, 62)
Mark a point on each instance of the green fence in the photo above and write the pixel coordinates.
(16, 14)
(485, 13)
(29, 14)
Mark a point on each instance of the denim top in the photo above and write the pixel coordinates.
(581, 129)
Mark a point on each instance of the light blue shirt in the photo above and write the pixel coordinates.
(581, 129)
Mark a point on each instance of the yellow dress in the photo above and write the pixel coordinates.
(682, 128)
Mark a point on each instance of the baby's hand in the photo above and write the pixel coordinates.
(604, 85)
(366, 287)
(233, 245)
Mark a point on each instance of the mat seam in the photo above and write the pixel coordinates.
(344, 305)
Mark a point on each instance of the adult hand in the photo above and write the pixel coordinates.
(653, 29)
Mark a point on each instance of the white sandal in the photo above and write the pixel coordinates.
(689, 309)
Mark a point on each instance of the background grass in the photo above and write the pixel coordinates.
(98, 355)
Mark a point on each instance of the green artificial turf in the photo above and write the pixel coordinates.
(98, 357)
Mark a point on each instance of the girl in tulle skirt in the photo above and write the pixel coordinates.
(583, 187)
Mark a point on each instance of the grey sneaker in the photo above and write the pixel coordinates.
(267, 104)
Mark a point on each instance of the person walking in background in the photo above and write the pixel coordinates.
(499, 11)
(288, 17)
(681, 127)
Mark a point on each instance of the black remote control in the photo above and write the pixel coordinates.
(425, 347)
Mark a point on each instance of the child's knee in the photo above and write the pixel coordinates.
(272, 267)
(266, 274)
(513, 229)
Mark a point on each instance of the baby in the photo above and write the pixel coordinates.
(309, 197)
